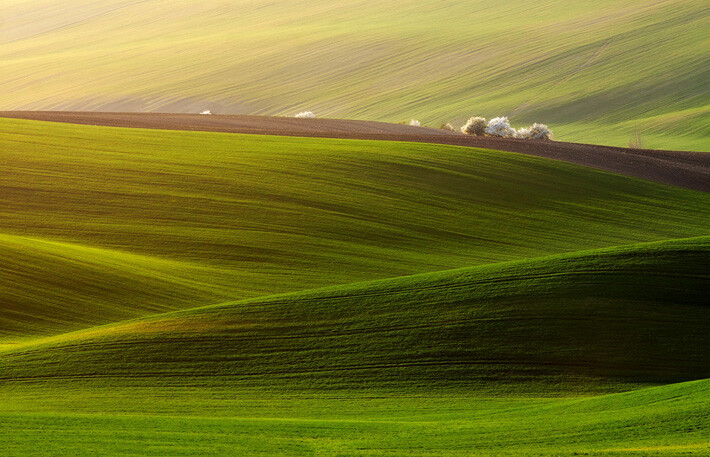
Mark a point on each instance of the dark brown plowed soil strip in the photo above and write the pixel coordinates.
(681, 168)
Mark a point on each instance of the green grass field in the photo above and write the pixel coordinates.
(634, 314)
(599, 72)
(669, 421)
(135, 222)
(187, 293)
(491, 360)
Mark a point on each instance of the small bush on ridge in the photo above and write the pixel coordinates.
(475, 126)
(500, 127)
(305, 115)
(447, 126)
(534, 132)
(415, 123)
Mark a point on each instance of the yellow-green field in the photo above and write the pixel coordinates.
(599, 72)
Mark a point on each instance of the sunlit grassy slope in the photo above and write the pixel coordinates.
(635, 314)
(668, 421)
(483, 361)
(103, 224)
(52, 287)
(595, 71)
(138, 271)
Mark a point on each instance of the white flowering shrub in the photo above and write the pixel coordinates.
(305, 115)
(448, 127)
(415, 123)
(475, 126)
(500, 126)
(534, 132)
(206, 112)
(541, 132)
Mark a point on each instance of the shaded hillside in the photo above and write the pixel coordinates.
(155, 220)
(587, 321)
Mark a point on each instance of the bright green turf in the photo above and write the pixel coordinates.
(152, 220)
(579, 321)
(293, 374)
(596, 72)
(669, 421)
(58, 286)
(523, 357)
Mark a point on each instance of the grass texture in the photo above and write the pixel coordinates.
(669, 420)
(494, 360)
(104, 224)
(595, 72)
(186, 293)
(635, 314)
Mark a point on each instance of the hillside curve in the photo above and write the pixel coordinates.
(592, 320)
(103, 224)
(686, 169)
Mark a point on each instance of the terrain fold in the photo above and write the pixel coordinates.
(592, 320)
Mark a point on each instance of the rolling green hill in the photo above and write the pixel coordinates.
(630, 315)
(668, 420)
(598, 72)
(57, 287)
(188, 293)
(491, 360)
(104, 224)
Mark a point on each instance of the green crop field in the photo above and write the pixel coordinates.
(187, 294)
(130, 222)
(605, 72)
(668, 421)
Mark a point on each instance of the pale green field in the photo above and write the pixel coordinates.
(596, 72)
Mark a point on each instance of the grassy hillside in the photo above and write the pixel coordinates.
(492, 360)
(58, 287)
(153, 300)
(583, 321)
(596, 72)
(668, 421)
(116, 223)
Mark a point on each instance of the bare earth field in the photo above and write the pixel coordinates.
(681, 168)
